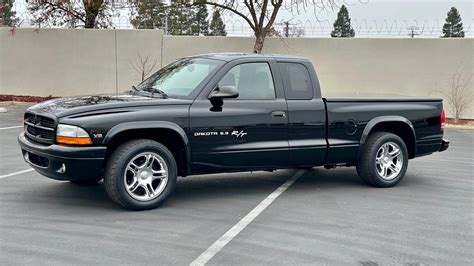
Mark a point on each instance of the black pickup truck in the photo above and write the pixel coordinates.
(225, 113)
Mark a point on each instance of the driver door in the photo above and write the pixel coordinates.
(247, 133)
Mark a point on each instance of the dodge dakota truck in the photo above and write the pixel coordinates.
(224, 113)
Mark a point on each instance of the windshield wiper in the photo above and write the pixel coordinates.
(134, 90)
(150, 92)
(160, 92)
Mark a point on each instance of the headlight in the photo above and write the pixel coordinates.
(72, 135)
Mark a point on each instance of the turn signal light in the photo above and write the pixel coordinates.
(73, 141)
(443, 119)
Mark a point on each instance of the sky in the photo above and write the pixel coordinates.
(370, 18)
(402, 9)
(386, 15)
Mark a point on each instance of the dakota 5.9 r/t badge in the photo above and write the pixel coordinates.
(236, 133)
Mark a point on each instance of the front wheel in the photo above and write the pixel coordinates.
(384, 160)
(140, 174)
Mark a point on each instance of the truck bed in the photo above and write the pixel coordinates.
(382, 99)
(350, 120)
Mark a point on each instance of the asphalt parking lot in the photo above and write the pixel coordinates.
(326, 216)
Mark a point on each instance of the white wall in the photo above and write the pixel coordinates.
(64, 62)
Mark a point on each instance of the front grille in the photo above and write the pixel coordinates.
(39, 128)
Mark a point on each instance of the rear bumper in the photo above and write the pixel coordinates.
(444, 145)
(63, 162)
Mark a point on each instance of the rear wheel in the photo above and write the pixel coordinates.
(384, 160)
(140, 174)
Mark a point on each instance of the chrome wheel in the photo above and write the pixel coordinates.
(389, 161)
(146, 176)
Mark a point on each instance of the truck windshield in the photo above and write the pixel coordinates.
(180, 78)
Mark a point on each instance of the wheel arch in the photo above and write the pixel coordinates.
(167, 133)
(397, 125)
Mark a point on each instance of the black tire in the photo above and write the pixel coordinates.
(116, 167)
(86, 182)
(366, 166)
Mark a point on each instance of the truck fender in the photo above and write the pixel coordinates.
(382, 119)
(114, 131)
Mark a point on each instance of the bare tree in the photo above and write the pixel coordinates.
(144, 65)
(260, 15)
(72, 13)
(459, 96)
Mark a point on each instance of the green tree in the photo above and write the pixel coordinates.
(151, 14)
(201, 21)
(453, 26)
(7, 15)
(176, 18)
(342, 25)
(180, 18)
(217, 26)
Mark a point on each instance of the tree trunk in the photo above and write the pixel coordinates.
(259, 41)
(92, 8)
(90, 21)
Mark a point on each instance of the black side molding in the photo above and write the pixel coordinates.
(444, 145)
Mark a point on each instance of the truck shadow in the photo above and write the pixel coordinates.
(219, 190)
(258, 185)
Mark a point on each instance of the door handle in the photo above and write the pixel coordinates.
(279, 114)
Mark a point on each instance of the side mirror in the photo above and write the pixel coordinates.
(224, 92)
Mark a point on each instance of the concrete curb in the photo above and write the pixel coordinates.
(460, 127)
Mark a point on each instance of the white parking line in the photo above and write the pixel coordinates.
(244, 222)
(3, 128)
(17, 173)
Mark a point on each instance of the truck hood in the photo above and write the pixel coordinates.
(70, 106)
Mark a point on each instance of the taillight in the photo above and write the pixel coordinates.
(443, 119)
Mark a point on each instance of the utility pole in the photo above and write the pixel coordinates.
(166, 23)
(413, 31)
(287, 29)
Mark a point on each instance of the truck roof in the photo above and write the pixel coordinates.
(233, 56)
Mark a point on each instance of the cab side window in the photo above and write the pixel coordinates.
(254, 81)
(296, 81)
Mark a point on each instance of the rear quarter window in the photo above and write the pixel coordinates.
(296, 81)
